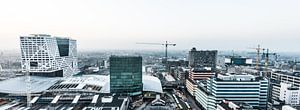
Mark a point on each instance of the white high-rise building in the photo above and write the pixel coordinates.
(233, 87)
(49, 56)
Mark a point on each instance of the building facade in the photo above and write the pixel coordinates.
(289, 94)
(46, 55)
(126, 75)
(234, 87)
(191, 86)
(200, 74)
(203, 58)
(278, 77)
(205, 98)
(239, 61)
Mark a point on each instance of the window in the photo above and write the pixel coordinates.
(34, 64)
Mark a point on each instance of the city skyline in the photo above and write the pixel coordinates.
(149, 55)
(230, 25)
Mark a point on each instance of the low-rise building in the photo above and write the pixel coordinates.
(205, 98)
(191, 86)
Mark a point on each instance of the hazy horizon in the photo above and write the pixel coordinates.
(118, 25)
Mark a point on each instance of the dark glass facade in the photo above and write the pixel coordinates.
(63, 46)
(126, 75)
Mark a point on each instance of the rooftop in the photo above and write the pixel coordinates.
(18, 86)
(85, 83)
(229, 105)
(202, 69)
(45, 35)
(95, 83)
(297, 74)
(80, 102)
(293, 88)
(237, 77)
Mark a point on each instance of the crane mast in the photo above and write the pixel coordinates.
(258, 49)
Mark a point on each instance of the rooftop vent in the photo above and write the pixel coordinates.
(107, 99)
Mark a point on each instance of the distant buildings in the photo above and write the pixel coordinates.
(233, 87)
(48, 56)
(239, 61)
(203, 58)
(182, 74)
(126, 75)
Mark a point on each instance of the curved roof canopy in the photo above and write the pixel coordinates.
(38, 84)
(151, 83)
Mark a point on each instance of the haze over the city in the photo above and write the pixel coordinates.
(119, 24)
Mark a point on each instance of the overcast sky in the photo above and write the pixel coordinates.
(119, 24)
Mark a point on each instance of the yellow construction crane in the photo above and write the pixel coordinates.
(258, 50)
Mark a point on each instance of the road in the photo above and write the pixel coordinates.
(191, 100)
(181, 102)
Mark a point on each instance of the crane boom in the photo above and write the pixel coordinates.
(151, 43)
(258, 49)
(164, 44)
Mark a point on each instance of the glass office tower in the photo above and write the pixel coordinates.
(126, 75)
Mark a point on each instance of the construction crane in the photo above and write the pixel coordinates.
(258, 50)
(164, 44)
(267, 57)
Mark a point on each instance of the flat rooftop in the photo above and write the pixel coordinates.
(297, 74)
(80, 102)
(237, 77)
